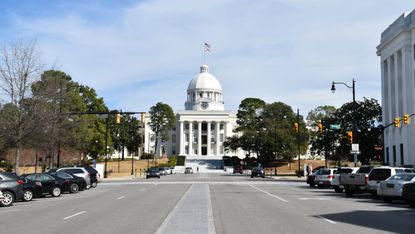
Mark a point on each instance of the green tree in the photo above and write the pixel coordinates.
(161, 121)
(248, 120)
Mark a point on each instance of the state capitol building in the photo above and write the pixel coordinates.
(202, 127)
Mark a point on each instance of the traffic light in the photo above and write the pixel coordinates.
(118, 118)
(406, 118)
(397, 122)
(320, 127)
(295, 126)
(143, 117)
(350, 137)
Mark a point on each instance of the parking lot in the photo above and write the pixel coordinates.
(210, 203)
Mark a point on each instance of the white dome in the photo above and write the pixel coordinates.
(204, 81)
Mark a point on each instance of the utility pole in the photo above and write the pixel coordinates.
(298, 140)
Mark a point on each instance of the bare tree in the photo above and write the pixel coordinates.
(19, 68)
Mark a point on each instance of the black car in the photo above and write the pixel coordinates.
(31, 189)
(153, 172)
(93, 174)
(11, 187)
(51, 185)
(77, 183)
(408, 193)
(258, 171)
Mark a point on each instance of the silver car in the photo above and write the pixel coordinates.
(391, 188)
(78, 171)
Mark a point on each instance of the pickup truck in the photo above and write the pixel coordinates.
(355, 182)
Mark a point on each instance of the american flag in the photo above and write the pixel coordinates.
(207, 47)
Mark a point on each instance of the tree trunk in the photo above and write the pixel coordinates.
(17, 157)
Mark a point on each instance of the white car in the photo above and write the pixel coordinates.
(80, 172)
(335, 182)
(378, 174)
(391, 188)
(168, 170)
(324, 177)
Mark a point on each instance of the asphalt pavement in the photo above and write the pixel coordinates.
(207, 203)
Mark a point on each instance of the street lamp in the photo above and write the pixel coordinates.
(333, 90)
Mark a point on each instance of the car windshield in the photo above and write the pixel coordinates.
(402, 177)
(153, 170)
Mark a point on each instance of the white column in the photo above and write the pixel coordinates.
(217, 137)
(208, 139)
(190, 138)
(199, 138)
(181, 139)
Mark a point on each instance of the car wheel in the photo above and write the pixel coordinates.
(375, 195)
(159, 177)
(94, 184)
(56, 191)
(348, 192)
(412, 204)
(27, 195)
(74, 188)
(146, 177)
(387, 199)
(338, 190)
(8, 198)
(312, 185)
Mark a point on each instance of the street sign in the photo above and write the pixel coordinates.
(335, 126)
(355, 147)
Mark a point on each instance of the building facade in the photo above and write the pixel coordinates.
(397, 62)
(201, 129)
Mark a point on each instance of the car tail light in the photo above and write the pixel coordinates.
(330, 177)
(20, 182)
(366, 179)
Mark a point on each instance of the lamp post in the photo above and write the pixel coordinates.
(333, 90)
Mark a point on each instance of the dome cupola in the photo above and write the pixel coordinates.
(204, 92)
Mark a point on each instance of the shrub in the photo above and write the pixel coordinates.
(180, 161)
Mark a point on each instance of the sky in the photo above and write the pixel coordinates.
(136, 53)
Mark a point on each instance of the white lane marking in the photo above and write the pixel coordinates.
(211, 220)
(143, 189)
(325, 219)
(270, 194)
(6, 211)
(167, 219)
(74, 215)
(119, 198)
(314, 198)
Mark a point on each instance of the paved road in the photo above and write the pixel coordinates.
(206, 203)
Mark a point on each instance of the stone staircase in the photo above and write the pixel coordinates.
(205, 165)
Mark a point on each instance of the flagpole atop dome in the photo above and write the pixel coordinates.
(206, 49)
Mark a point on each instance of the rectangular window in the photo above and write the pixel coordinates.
(186, 126)
(402, 159)
(221, 137)
(387, 155)
(173, 138)
(186, 137)
(221, 126)
(394, 155)
(212, 127)
(204, 139)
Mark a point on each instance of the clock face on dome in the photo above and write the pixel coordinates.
(204, 105)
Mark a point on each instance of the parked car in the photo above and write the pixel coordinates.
(258, 171)
(408, 193)
(172, 170)
(391, 188)
(31, 189)
(335, 183)
(12, 188)
(77, 183)
(168, 170)
(94, 175)
(356, 182)
(238, 169)
(188, 170)
(80, 172)
(1, 196)
(153, 172)
(162, 171)
(378, 174)
(53, 186)
(324, 177)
